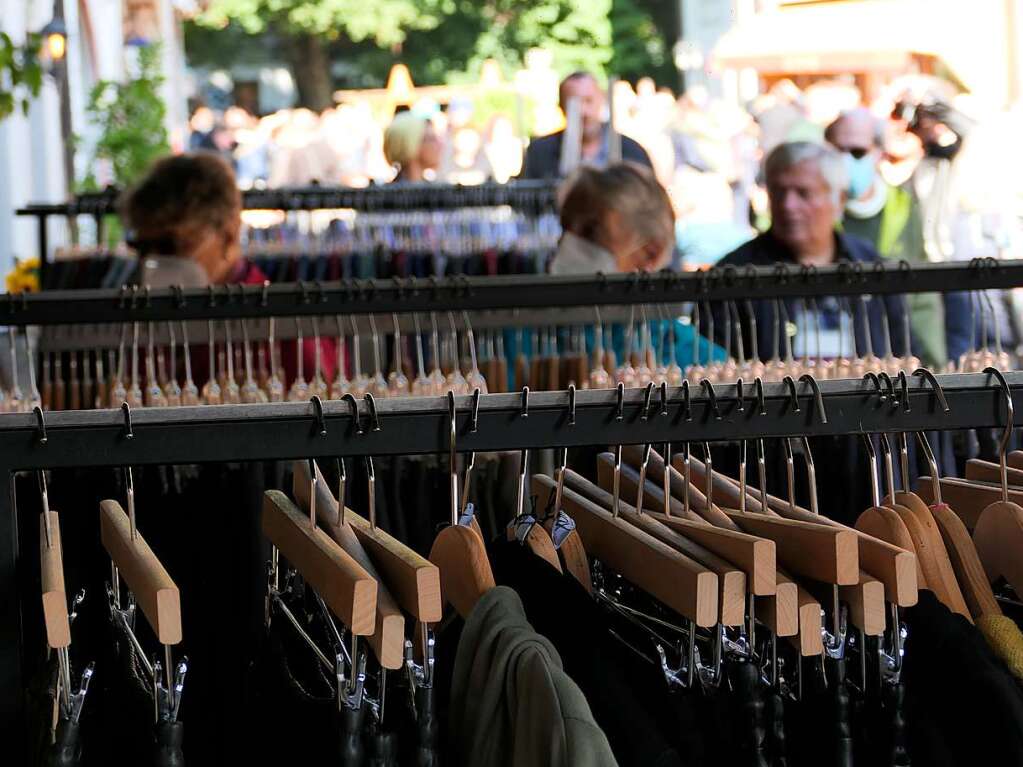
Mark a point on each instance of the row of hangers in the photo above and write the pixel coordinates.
(546, 358)
(729, 561)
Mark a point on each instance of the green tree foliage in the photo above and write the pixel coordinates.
(130, 117)
(437, 39)
(644, 33)
(21, 75)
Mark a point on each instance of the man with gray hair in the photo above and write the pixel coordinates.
(806, 189)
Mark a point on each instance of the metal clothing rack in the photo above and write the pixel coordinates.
(481, 294)
(537, 196)
(491, 422)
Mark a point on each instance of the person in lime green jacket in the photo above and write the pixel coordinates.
(889, 218)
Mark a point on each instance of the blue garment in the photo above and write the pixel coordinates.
(765, 250)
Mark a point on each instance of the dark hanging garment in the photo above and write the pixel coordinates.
(962, 706)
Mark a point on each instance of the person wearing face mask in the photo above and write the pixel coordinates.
(889, 217)
(967, 187)
(581, 94)
(620, 219)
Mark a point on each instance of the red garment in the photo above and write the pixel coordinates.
(247, 273)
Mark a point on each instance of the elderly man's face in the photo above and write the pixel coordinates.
(803, 209)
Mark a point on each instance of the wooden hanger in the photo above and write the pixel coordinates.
(731, 580)
(388, 635)
(1015, 459)
(974, 585)
(928, 543)
(883, 558)
(51, 559)
(572, 551)
(864, 595)
(985, 471)
(999, 531)
(155, 592)
(537, 539)
(345, 586)
(778, 614)
(685, 586)
(754, 556)
(458, 550)
(412, 580)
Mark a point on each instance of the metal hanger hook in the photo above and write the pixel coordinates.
(708, 387)
(571, 404)
(126, 411)
(793, 398)
(620, 406)
(354, 408)
(758, 387)
(938, 391)
(818, 398)
(41, 419)
(1010, 417)
(321, 424)
(374, 419)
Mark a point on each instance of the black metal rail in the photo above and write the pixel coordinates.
(478, 294)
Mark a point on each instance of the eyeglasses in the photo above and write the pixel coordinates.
(857, 152)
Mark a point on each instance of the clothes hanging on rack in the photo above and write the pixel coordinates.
(511, 702)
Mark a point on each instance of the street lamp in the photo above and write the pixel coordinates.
(54, 37)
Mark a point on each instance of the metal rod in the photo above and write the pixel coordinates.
(59, 307)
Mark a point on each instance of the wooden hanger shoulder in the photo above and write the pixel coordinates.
(465, 573)
(998, 538)
(935, 550)
(346, 587)
(573, 554)
(539, 542)
(154, 590)
(1014, 459)
(685, 586)
(388, 637)
(976, 590)
(968, 498)
(883, 524)
(51, 560)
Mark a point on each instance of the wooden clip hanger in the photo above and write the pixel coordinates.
(777, 596)
(924, 529)
(731, 579)
(793, 603)
(345, 586)
(388, 635)
(412, 579)
(155, 592)
(683, 585)
(51, 561)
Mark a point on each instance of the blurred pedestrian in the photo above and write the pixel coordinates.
(581, 94)
(412, 146)
(889, 217)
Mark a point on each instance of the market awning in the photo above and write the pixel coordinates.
(855, 36)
